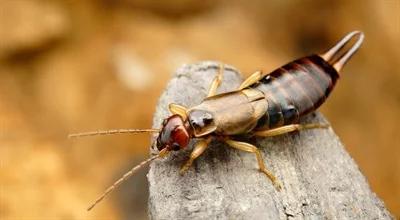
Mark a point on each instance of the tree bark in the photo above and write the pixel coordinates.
(319, 179)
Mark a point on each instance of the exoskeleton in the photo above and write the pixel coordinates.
(263, 105)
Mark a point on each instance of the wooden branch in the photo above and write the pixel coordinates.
(320, 180)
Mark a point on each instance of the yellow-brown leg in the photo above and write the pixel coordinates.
(216, 81)
(253, 149)
(178, 109)
(199, 148)
(288, 128)
(253, 78)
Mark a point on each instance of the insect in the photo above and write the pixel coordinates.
(264, 105)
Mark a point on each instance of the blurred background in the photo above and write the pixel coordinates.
(68, 66)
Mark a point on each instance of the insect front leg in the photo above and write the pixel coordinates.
(288, 128)
(178, 109)
(199, 148)
(216, 81)
(253, 78)
(253, 149)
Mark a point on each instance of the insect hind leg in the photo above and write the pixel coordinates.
(288, 128)
(253, 149)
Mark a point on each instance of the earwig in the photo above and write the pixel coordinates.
(264, 105)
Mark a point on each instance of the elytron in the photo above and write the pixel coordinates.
(263, 105)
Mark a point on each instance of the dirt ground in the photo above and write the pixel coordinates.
(68, 66)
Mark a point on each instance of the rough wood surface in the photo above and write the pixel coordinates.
(320, 180)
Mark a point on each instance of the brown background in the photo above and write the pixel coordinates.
(68, 66)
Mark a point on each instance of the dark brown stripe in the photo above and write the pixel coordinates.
(312, 66)
(323, 79)
(308, 83)
(277, 73)
(325, 66)
(279, 93)
(327, 70)
(305, 75)
(318, 98)
(317, 81)
(322, 85)
(298, 92)
(290, 108)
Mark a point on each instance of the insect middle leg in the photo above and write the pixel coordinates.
(253, 149)
(288, 128)
(199, 148)
(216, 81)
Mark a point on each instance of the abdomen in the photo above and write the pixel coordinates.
(294, 90)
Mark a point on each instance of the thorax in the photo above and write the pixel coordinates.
(228, 113)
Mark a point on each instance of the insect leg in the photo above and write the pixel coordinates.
(178, 109)
(216, 81)
(199, 148)
(253, 78)
(253, 149)
(288, 128)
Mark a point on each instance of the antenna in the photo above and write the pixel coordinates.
(111, 132)
(162, 153)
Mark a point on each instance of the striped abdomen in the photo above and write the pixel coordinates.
(295, 89)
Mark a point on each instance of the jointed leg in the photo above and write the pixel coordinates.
(253, 78)
(288, 128)
(199, 148)
(253, 149)
(217, 81)
(178, 109)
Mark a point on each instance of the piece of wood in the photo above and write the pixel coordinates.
(319, 178)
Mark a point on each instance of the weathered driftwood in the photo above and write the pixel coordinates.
(319, 178)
